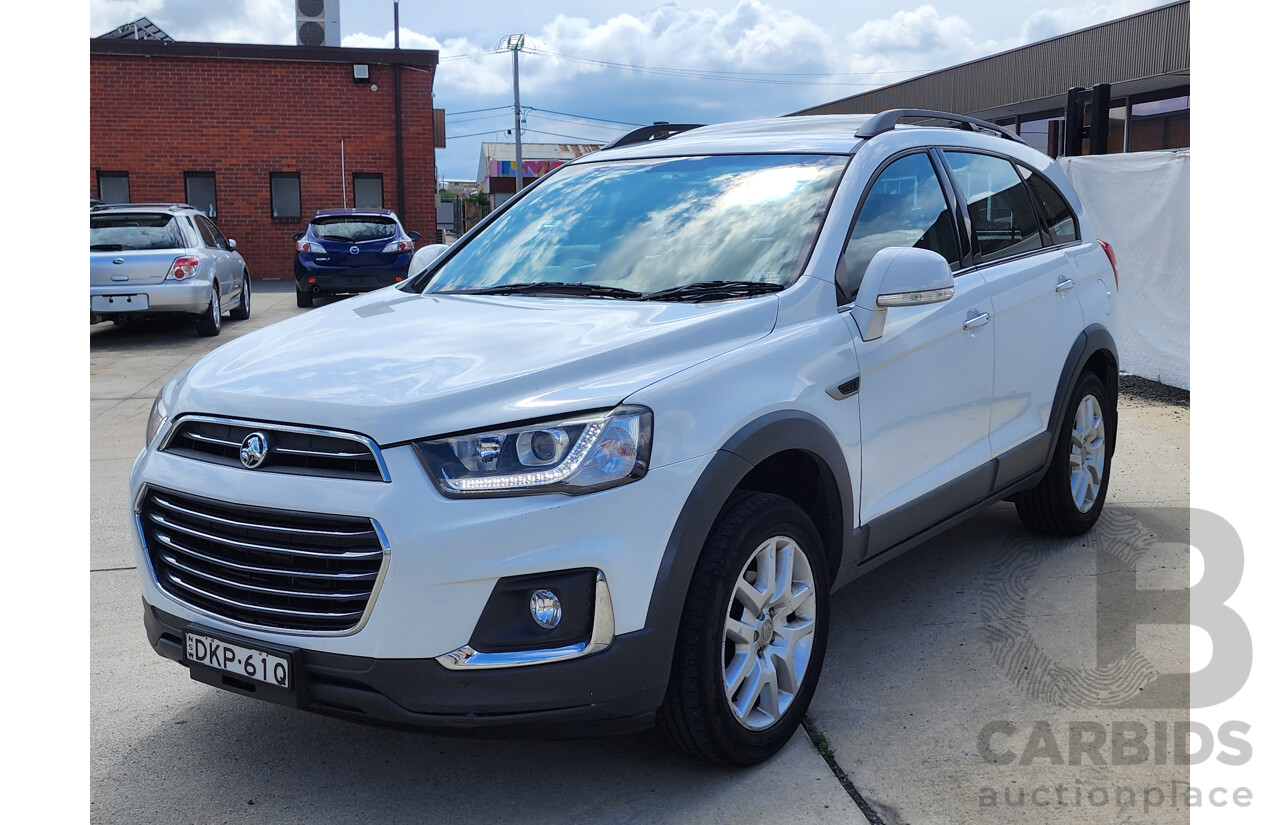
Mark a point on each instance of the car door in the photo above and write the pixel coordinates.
(1036, 317)
(229, 276)
(925, 383)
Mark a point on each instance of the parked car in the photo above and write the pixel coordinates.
(150, 259)
(346, 251)
(602, 462)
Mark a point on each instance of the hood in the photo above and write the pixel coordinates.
(397, 366)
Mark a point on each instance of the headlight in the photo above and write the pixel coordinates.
(572, 455)
(159, 415)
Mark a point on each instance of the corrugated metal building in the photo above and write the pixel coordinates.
(1146, 58)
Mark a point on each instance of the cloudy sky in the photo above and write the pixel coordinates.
(591, 70)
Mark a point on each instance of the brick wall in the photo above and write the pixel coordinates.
(158, 117)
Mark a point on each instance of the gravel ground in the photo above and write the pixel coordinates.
(1148, 390)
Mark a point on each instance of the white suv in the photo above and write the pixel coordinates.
(603, 461)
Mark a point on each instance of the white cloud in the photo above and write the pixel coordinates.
(1046, 23)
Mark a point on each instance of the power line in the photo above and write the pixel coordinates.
(570, 137)
(582, 117)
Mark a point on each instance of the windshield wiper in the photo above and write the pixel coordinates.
(106, 247)
(552, 288)
(713, 291)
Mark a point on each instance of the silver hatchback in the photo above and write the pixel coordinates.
(163, 259)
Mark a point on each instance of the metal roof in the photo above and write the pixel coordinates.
(140, 29)
(1147, 50)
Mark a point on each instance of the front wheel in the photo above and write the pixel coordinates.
(752, 636)
(210, 322)
(1069, 499)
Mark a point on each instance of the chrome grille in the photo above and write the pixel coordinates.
(276, 569)
(295, 450)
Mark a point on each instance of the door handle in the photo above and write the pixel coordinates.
(1064, 284)
(977, 321)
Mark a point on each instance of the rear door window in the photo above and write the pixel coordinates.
(1000, 209)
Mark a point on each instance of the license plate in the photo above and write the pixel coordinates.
(248, 662)
(118, 303)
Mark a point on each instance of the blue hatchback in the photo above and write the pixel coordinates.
(350, 250)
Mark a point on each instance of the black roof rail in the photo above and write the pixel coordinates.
(658, 131)
(885, 121)
(172, 207)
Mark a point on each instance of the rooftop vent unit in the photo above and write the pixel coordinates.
(318, 23)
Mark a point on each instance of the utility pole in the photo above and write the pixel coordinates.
(515, 43)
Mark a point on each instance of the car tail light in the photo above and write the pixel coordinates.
(1111, 256)
(311, 247)
(183, 268)
(398, 246)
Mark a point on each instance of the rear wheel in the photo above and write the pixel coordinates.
(752, 636)
(1069, 499)
(210, 323)
(304, 299)
(241, 312)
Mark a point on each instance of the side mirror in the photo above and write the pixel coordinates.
(414, 236)
(297, 236)
(900, 277)
(231, 242)
(424, 256)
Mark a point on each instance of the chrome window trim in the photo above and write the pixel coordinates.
(364, 619)
(364, 440)
(468, 658)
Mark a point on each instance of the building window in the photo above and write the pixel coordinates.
(201, 192)
(1042, 132)
(1160, 123)
(113, 187)
(286, 195)
(367, 189)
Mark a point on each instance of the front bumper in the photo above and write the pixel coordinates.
(165, 297)
(615, 691)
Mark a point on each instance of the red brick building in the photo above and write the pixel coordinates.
(263, 136)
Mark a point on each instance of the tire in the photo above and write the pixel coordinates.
(305, 300)
(241, 312)
(719, 705)
(210, 322)
(1069, 499)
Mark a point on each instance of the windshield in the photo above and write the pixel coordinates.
(651, 225)
(348, 228)
(115, 233)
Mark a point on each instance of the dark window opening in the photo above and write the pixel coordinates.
(113, 187)
(286, 195)
(367, 189)
(202, 193)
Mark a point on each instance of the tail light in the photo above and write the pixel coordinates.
(183, 268)
(311, 247)
(1111, 256)
(398, 246)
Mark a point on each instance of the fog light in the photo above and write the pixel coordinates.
(545, 607)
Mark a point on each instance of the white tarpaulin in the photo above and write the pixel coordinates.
(1140, 203)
